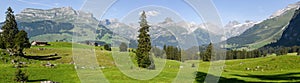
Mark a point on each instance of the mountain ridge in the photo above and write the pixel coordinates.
(84, 24)
(265, 32)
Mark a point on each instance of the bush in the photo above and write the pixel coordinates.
(107, 47)
(123, 47)
(152, 65)
(193, 65)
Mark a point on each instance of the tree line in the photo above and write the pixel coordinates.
(281, 50)
(172, 52)
(208, 54)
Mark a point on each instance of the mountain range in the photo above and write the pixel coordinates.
(264, 32)
(59, 24)
(64, 23)
(185, 34)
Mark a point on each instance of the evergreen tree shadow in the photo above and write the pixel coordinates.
(277, 77)
(48, 57)
(201, 78)
(38, 80)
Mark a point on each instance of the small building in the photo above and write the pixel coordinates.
(36, 43)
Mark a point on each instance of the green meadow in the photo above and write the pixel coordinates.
(285, 68)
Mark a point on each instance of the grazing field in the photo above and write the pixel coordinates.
(62, 73)
(284, 68)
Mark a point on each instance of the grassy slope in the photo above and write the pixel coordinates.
(62, 73)
(272, 69)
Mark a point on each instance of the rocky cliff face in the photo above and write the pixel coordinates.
(55, 24)
(65, 14)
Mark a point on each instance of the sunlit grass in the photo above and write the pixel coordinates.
(271, 69)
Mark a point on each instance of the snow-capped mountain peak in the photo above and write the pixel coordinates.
(282, 11)
(232, 23)
(189, 26)
(234, 28)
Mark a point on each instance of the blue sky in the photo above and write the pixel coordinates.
(240, 10)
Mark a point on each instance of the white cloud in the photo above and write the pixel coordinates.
(151, 13)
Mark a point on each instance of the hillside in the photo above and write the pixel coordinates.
(291, 36)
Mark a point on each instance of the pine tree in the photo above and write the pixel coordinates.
(165, 47)
(178, 54)
(21, 42)
(9, 29)
(1, 42)
(209, 55)
(13, 40)
(144, 44)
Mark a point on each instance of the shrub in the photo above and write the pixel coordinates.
(123, 47)
(193, 65)
(20, 76)
(107, 47)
